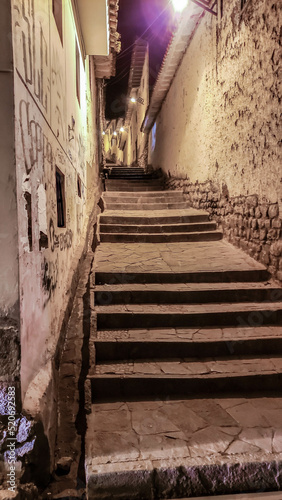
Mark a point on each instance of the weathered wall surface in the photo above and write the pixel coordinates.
(220, 123)
(8, 201)
(136, 139)
(9, 266)
(221, 116)
(53, 130)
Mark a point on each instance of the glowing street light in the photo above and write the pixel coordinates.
(133, 99)
(179, 5)
(121, 129)
(103, 133)
(115, 133)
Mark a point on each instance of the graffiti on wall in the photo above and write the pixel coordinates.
(58, 94)
(34, 141)
(62, 241)
(50, 273)
(32, 49)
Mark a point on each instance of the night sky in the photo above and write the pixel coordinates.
(135, 16)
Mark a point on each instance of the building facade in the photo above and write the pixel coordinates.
(55, 55)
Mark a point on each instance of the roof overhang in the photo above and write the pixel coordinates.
(94, 23)
(174, 55)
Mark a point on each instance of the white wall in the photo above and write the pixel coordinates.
(8, 202)
(52, 130)
(220, 118)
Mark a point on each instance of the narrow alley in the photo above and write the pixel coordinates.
(141, 253)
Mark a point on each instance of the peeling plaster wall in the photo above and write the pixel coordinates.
(9, 265)
(52, 131)
(8, 199)
(220, 118)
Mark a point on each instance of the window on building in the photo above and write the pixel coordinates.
(61, 203)
(90, 73)
(79, 186)
(57, 8)
(77, 59)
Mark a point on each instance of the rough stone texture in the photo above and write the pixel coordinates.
(220, 118)
(248, 223)
(9, 350)
(69, 465)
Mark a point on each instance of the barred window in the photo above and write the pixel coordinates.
(57, 8)
(61, 203)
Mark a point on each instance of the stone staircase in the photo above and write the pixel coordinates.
(186, 328)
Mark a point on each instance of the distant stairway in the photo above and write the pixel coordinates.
(149, 216)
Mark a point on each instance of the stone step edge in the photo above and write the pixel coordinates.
(212, 375)
(148, 220)
(251, 275)
(151, 475)
(141, 229)
(167, 235)
(151, 193)
(193, 287)
(145, 200)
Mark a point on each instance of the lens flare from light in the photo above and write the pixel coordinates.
(179, 5)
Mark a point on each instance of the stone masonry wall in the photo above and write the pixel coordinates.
(248, 223)
(217, 134)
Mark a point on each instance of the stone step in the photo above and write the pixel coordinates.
(181, 316)
(126, 170)
(131, 177)
(160, 228)
(160, 238)
(145, 194)
(137, 344)
(133, 189)
(244, 275)
(185, 377)
(134, 182)
(275, 495)
(146, 206)
(142, 200)
(154, 218)
(195, 447)
(186, 293)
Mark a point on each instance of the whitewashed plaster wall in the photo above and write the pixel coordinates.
(220, 119)
(8, 199)
(52, 130)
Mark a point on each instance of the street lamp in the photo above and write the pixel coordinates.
(121, 129)
(179, 5)
(133, 99)
(115, 133)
